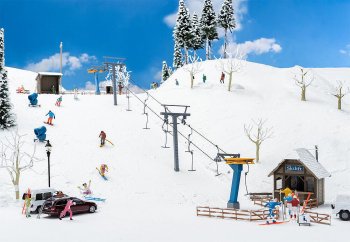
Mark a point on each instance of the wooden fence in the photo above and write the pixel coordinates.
(231, 213)
(320, 218)
(260, 198)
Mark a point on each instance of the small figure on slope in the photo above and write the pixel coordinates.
(103, 169)
(103, 138)
(272, 205)
(58, 101)
(295, 207)
(67, 209)
(204, 78)
(222, 78)
(51, 116)
(27, 202)
(85, 189)
(176, 82)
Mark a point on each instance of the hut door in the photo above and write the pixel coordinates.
(295, 183)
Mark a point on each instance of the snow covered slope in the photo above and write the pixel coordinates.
(146, 199)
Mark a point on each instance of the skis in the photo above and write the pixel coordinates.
(109, 142)
(104, 177)
(98, 199)
(277, 222)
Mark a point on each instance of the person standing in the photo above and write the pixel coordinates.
(204, 78)
(58, 101)
(67, 209)
(222, 78)
(51, 116)
(103, 138)
(27, 202)
(295, 207)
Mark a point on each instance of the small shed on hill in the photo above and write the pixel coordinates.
(49, 82)
(302, 173)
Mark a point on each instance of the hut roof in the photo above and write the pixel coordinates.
(309, 161)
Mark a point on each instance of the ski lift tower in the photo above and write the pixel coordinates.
(236, 163)
(174, 116)
(113, 64)
(95, 70)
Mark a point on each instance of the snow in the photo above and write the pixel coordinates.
(50, 73)
(146, 199)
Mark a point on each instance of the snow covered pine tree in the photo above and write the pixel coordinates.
(226, 20)
(177, 61)
(197, 41)
(183, 32)
(208, 26)
(7, 119)
(165, 72)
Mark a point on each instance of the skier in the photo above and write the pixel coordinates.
(204, 78)
(222, 78)
(120, 87)
(58, 101)
(295, 207)
(103, 169)
(272, 206)
(176, 82)
(51, 116)
(103, 138)
(288, 199)
(67, 209)
(86, 188)
(27, 202)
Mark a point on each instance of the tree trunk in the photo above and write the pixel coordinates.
(303, 94)
(257, 152)
(192, 80)
(186, 55)
(230, 82)
(225, 45)
(339, 103)
(16, 183)
(207, 48)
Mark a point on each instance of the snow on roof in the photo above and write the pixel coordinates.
(50, 73)
(309, 161)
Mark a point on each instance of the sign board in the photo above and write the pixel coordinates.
(294, 168)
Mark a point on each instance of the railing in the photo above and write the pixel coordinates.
(235, 214)
(320, 218)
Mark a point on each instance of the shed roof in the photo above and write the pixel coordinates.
(309, 161)
(50, 73)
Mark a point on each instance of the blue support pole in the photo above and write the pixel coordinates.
(237, 169)
(97, 92)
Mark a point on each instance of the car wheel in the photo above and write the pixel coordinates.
(38, 209)
(92, 209)
(344, 215)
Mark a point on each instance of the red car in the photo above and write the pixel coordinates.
(53, 206)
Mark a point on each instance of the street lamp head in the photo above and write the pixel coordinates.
(48, 146)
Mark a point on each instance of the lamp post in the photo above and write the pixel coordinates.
(48, 153)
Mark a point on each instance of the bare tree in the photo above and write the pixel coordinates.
(339, 93)
(194, 67)
(14, 160)
(305, 80)
(234, 64)
(259, 136)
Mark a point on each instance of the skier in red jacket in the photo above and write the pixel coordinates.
(103, 138)
(295, 207)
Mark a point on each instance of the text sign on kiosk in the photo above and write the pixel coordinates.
(294, 168)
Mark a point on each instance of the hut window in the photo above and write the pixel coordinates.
(278, 183)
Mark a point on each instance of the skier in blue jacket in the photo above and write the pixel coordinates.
(272, 206)
(51, 116)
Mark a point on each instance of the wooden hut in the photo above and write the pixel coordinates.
(49, 82)
(302, 173)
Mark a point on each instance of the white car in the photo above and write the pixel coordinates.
(38, 198)
(341, 206)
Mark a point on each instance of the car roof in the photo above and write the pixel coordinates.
(35, 191)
